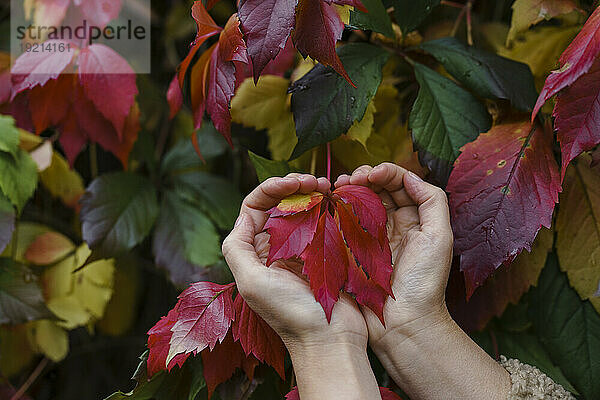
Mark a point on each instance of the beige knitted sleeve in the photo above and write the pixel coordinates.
(529, 383)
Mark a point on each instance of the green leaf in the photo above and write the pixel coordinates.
(215, 196)
(117, 212)
(7, 221)
(487, 74)
(266, 168)
(376, 19)
(444, 118)
(325, 105)
(568, 328)
(20, 295)
(181, 383)
(410, 14)
(9, 135)
(183, 156)
(527, 348)
(18, 177)
(185, 240)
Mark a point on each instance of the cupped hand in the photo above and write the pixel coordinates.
(421, 242)
(279, 293)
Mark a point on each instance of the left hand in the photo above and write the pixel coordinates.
(279, 293)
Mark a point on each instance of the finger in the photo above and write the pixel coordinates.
(360, 175)
(323, 185)
(432, 204)
(266, 196)
(388, 176)
(342, 180)
(308, 183)
(240, 253)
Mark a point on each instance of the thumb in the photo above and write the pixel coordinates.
(238, 248)
(431, 201)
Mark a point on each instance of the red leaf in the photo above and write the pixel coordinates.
(267, 25)
(206, 27)
(5, 86)
(577, 114)
(291, 235)
(174, 97)
(35, 69)
(221, 84)
(51, 12)
(99, 12)
(205, 312)
(575, 61)
(48, 248)
(326, 263)
(318, 28)
(113, 94)
(386, 394)
(367, 206)
(199, 85)
(257, 337)
(220, 363)
(50, 103)
(367, 292)
(159, 337)
(377, 261)
(502, 190)
(303, 225)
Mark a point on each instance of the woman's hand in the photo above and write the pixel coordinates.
(329, 359)
(421, 347)
(421, 242)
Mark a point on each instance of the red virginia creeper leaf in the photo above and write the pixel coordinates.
(50, 12)
(35, 69)
(257, 337)
(318, 28)
(206, 27)
(326, 263)
(174, 97)
(50, 103)
(502, 190)
(291, 235)
(48, 248)
(577, 116)
(205, 313)
(221, 362)
(266, 24)
(199, 85)
(374, 259)
(386, 394)
(367, 292)
(99, 12)
(113, 94)
(159, 337)
(221, 84)
(575, 61)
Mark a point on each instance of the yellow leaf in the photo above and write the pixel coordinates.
(57, 280)
(266, 105)
(69, 310)
(93, 286)
(344, 13)
(303, 68)
(530, 12)
(49, 339)
(540, 48)
(49, 248)
(15, 351)
(121, 310)
(361, 130)
(63, 182)
(28, 141)
(578, 227)
(528, 266)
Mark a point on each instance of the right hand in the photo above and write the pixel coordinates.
(421, 242)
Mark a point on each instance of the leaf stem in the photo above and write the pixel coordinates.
(329, 161)
(452, 4)
(469, 7)
(31, 379)
(313, 161)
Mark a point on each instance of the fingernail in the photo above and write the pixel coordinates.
(415, 176)
(238, 221)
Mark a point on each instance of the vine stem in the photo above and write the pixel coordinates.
(31, 379)
(93, 160)
(329, 161)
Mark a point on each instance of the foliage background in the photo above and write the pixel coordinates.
(132, 287)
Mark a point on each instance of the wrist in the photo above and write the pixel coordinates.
(334, 371)
(418, 327)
